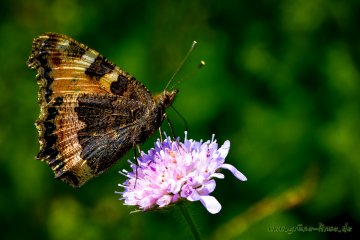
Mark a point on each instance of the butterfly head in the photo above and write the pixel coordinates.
(168, 98)
(165, 99)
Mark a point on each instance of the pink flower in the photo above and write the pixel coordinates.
(174, 171)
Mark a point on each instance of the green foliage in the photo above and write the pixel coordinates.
(281, 82)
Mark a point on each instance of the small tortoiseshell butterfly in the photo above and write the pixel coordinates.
(91, 111)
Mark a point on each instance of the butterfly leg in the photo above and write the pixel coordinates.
(136, 163)
(181, 116)
(160, 135)
(170, 126)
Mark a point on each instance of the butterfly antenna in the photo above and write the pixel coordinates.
(193, 45)
(200, 65)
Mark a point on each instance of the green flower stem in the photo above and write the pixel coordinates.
(189, 221)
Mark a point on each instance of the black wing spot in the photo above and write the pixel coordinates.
(120, 86)
(99, 68)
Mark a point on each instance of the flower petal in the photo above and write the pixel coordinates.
(217, 175)
(211, 204)
(234, 171)
(207, 188)
(164, 200)
(224, 149)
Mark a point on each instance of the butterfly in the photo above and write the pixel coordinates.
(91, 111)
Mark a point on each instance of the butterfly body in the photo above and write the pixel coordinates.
(91, 111)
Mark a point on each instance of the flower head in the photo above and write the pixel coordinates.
(174, 171)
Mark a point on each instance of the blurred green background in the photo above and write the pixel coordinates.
(281, 82)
